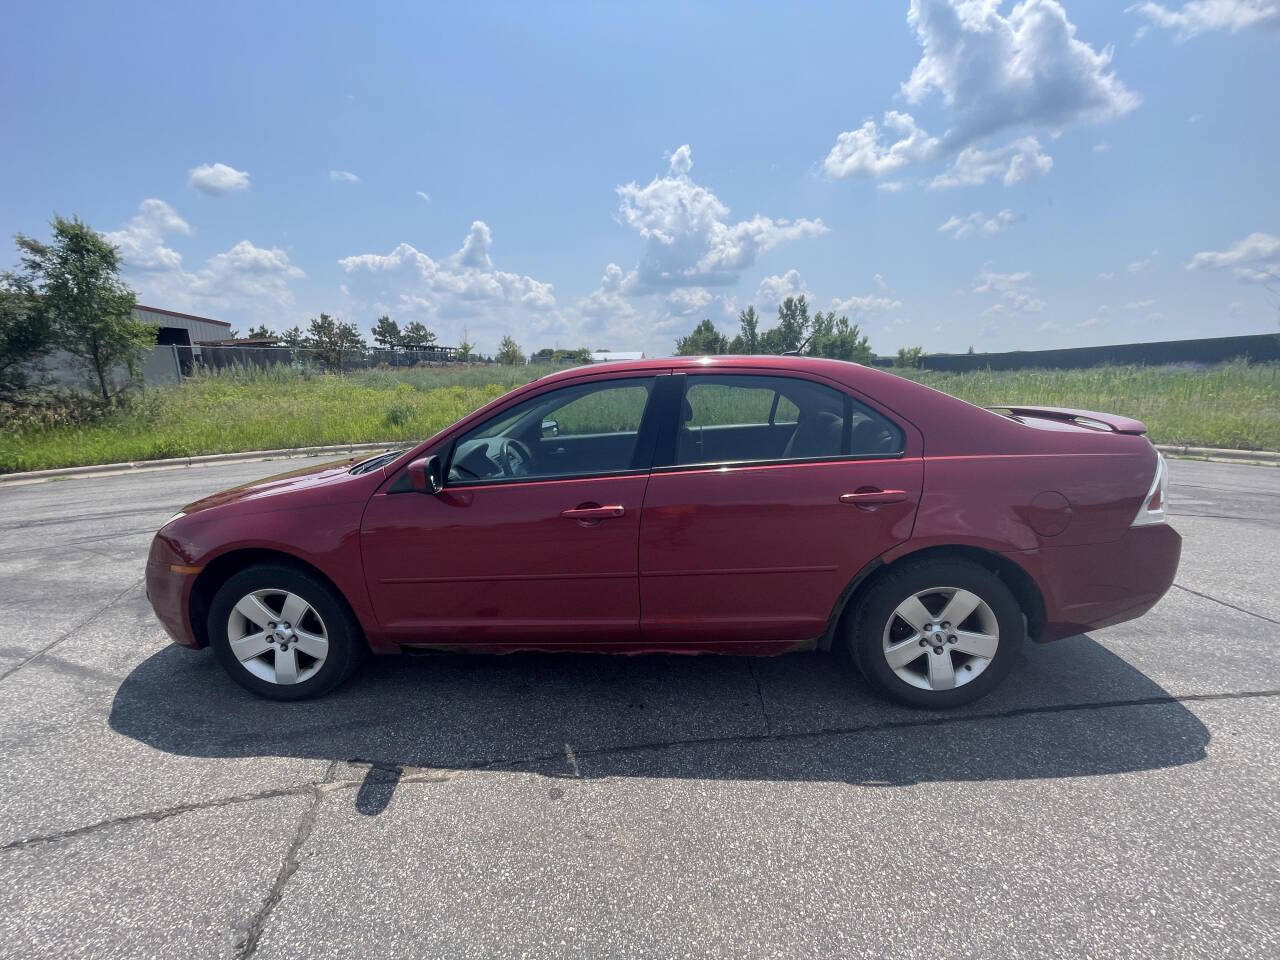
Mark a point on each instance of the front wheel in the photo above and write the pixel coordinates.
(937, 633)
(283, 634)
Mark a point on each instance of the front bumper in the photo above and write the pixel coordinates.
(169, 585)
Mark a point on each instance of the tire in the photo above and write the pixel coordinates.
(293, 663)
(879, 633)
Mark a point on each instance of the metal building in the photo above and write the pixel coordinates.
(182, 329)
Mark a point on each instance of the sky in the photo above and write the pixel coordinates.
(947, 173)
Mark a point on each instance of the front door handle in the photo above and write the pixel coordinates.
(864, 498)
(593, 512)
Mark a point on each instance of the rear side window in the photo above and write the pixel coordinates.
(733, 419)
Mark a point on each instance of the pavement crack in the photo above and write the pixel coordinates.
(905, 724)
(317, 790)
(155, 816)
(75, 629)
(1205, 596)
(248, 945)
(764, 711)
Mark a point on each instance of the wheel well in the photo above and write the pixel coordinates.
(221, 569)
(1019, 582)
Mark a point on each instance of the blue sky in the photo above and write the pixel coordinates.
(947, 172)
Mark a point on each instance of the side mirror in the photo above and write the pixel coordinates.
(550, 428)
(426, 475)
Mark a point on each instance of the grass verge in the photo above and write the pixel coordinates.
(1232, 405)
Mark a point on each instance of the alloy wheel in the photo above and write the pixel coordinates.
(941, 638)
(277, 636)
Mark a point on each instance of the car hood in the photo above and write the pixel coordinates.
(314, 479)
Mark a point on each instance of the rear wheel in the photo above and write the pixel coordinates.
(282, 633)
(937, 633)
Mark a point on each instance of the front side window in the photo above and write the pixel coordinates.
(591, 428)
(727, 419)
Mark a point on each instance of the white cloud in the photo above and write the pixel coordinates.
(1201, 16)
(1103, 147)
(423, 195)
(685, 301)
(1146, 263)
(1140, 305)
(246, 276)
(890, 186)
(217, 178)
(141, 241)
(878, 279)
(611, 298)
(690, 241)
(859, 153)
(463, 287)
(961, 227)
(246, 280)
(1015, 162)
(343, 176)
(1106, 275)
(1012, 291)
(773, 290)
(863, 305)
(461, 284)
(1256, 258)
(999, 72)
(993, 73)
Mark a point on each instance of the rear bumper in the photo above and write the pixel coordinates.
(170, 593)
(1096, 585)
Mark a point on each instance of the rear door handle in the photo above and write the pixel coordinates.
(870, 497)
(593, 513)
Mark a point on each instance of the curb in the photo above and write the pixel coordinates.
(1219, 455)
(176, 463)
(1261, 457)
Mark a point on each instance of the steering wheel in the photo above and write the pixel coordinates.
(515, 458)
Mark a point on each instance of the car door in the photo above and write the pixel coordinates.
(534, 546)
(752, 537)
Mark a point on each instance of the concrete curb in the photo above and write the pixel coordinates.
(1220, 455)
(175, 463)
(1267, 457)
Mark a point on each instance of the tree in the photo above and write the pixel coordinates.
(464, 350)
(293, 337)
(89, 309)
(386, 333)
(838, 339)
(748, 338)
(509, 353)
(792, 331)
(334, 340)
(705, 339)
(25, 337)
(261, 332)
(908, 357)
(415, 336)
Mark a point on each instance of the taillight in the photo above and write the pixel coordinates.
(1153, 505)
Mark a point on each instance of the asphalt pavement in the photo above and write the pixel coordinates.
(1119, 796)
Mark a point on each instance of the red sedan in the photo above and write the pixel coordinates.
(745, 505)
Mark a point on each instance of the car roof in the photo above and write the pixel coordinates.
(836, 369)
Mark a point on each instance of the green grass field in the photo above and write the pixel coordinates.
(1233, 405)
